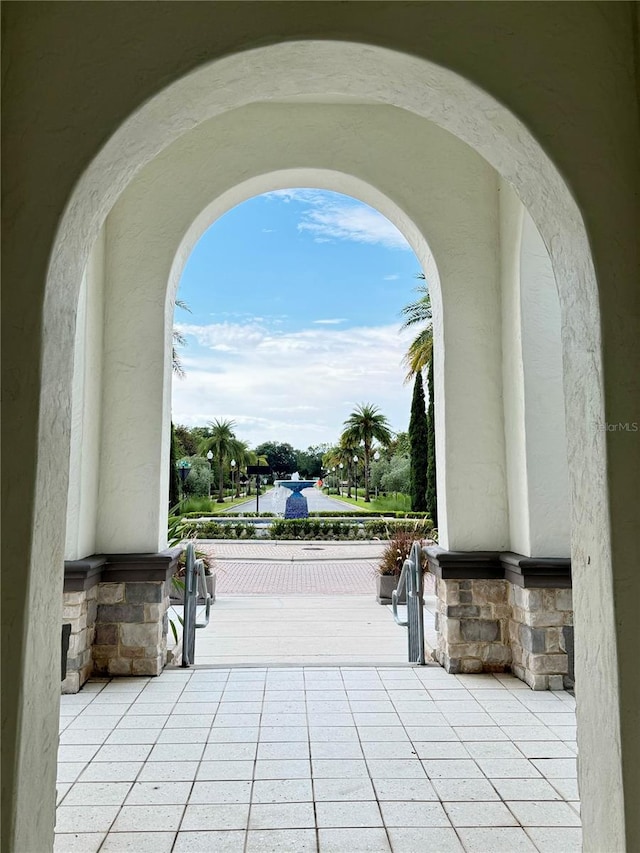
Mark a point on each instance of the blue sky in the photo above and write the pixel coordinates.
(295, 298)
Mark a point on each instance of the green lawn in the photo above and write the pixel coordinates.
(207, 506)
(399, 503)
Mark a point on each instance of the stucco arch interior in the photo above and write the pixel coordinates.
(458, 214)
(297, 70)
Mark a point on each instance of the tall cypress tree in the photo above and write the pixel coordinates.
(418, 442)
(174, 482)
(432, 496)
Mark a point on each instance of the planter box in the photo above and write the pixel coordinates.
(385, 584)
(177, 595)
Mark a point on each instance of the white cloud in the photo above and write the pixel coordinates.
(393, 277)
(332, 322)
(290, 386)
(332, 216)
(351, 221)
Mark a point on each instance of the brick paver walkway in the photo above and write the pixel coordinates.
(294, 568)
(284, 551)
(352, 578)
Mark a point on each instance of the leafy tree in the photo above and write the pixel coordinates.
(364, 425)
(281, 458)
(224, 444)
(198, 480)
(398, 477)
(378, 471)
(187, 442)
(419, 447)
(432, 496)
(309, 462)
(398, 444)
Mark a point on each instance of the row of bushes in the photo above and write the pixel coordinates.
(348, 514)
(312, 528)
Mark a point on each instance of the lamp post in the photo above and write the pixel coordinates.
(210, 460)
(376, 458)
(355, 475)
(340, 466)
(183, 467)
(333, 471)
(233, 476)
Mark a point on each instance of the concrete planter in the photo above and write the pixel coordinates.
(385, 584)
(177, 595)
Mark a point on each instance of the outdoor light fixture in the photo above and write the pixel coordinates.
(376, 458)
(184, 467)
(355, 474)
(341, 466)
(210, 459)
(233, 475)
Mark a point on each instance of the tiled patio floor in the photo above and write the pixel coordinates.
(306, 758)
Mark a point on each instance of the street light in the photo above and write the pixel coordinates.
(376, 458)
(183, 467)
(233, 476)
(210, 458)
(341, 466)
(355, 474)
(333, 471)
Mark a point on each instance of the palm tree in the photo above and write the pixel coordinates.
(224, 444)
(418, 312)
(363, 425)
(342, 454)
(179, 340)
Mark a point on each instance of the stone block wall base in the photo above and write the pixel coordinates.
(131, 628)
(472, 620)
(541, 635)
(79, 610)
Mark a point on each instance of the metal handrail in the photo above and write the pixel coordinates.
(397, 592)
(194, 571)
(199, 567)
(411, 578)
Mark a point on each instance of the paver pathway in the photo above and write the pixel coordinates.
(304, 759)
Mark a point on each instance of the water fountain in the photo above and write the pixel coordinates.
(296, 505)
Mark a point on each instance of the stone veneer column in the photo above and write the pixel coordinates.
(124, 631)
(541, 624)
(472, 624)
(79, 610)
(500, 611)
(131, 628)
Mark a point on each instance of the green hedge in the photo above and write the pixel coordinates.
(312, 528)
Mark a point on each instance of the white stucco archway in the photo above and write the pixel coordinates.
(153, 226)
(358, 72)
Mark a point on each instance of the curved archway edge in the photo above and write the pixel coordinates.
(517, 157)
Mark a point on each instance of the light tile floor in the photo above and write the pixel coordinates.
(299, 759)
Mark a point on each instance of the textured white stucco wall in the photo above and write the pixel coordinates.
(545, 434)
(451, 202)
(562, 101)
(534, 419)
(511, 215)
(86, 413)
